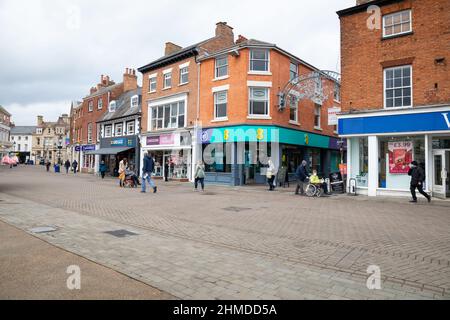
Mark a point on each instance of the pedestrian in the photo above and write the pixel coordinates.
(301, 174)
(122, 166)
(270, 174)
(47, 165)
(67, 166)
(314, 179)
(199, 175)
(147, 170)
(102, 169)
(417, 178)
(74, 166)
(166, 170)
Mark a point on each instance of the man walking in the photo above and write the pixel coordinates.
(74, 166)
(147, 171)
(67, 166)
(417, 178)
(301, 173)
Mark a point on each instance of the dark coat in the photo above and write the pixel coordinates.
(301, 173)
(74, 164)
(417, 175)
(67, 164)
(148, 166)
(102, 167)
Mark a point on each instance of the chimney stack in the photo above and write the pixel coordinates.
(224, 31)
(171, 48)
(240, 39)
(129, 80)
(92, 90)
(40, 120)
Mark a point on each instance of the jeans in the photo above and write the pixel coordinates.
(149, 180)
(67, 170)
(202, 182)
(300, 186)
(420, 189)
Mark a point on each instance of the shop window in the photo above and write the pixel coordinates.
(395, 155)
(215, 156)
(360, 160)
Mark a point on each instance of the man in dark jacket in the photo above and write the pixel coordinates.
(417, 178)
(67, 165)
(147, 170)
(74, 166)
(301, 173)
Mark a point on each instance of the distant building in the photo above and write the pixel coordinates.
(22, 140)
(5, 128)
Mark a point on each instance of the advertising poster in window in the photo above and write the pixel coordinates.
(400, 156)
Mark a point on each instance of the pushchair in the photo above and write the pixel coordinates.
(131, 180)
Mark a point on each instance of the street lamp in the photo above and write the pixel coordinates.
(59, 148)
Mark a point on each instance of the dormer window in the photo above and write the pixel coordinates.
(112, 106)
(134, 101)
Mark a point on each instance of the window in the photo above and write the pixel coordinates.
(293, 111)
(134, 101)
(26, 147)
(26, 138)
(167, 80)
(259, 60)
(18, 147)
(39, 130)
(130, 127)
(293, 71)
(99, 104)
(397, 23)
(184, 75)
(397, 87)
(220, 104)
(317, 110)
(112, 106)
(38, 141)
(259, 101)
(90, 106)
(152, 84)
(108, 131)
(118, 129)
(337, 92)
(19, 138)
(49, 130)
(221, 69)
(89, 132)
(168, 116)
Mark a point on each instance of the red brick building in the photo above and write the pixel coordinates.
(85, 132)
(396, 93)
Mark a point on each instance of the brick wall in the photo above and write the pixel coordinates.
(364, 55)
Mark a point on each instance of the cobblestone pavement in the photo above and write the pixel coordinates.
(239, 242)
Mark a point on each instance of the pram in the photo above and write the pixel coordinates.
(131, 180)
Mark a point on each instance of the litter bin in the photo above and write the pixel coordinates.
(56, 167)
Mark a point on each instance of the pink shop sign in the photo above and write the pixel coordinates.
(163, 139)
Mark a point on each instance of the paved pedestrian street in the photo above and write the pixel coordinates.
(236, 242)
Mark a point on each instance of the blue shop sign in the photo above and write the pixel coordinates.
(122, 142)
(88, 147)
(397, 123)
(77, 148)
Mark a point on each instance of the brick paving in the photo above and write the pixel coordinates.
(240, 242)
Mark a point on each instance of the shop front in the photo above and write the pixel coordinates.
(237, 155)
(382, 144)
(172, 152)
(87, 159)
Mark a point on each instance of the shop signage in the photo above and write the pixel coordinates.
(396, 123)
(122, 142)
(88, 147)
(400, 156)
(163, 139)
(332, 115)
(77, 148)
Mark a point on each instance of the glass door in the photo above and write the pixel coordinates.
(440, 173)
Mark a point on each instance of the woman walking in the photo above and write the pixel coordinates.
(270, 174)
(102, 169)
(122, 166)
(199, 175)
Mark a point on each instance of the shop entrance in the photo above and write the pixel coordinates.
(441, 166)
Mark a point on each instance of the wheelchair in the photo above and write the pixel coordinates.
(313, 190)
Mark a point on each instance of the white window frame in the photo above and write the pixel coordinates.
(91, 106)
(152, 79)
(157, 104)
(130, 132)
(100, 104)
(385, 87)
(184, 71)
(250, 61)
(108, 134)
(296, 70)
(118, 126)
(258, 116)
(112, 106)
(216, 68)
(295, 121)
(167, 76)
(336, 89)
(134, 98)
(318, 106)
(401, 32)
(89, 132)
(215, 105)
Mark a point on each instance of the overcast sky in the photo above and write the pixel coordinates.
(53, 51)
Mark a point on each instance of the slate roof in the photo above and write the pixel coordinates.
(123, 106)
(23, 130)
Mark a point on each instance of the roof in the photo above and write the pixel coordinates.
(23, 130)
(363, 7)
(4, 111)
(123, 106)
(103, 90)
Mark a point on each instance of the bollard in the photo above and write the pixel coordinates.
(352, 186)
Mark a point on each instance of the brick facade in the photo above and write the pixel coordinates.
(365, 54)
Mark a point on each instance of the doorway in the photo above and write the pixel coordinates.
(441, 165)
